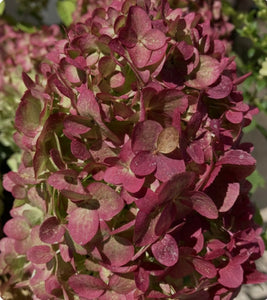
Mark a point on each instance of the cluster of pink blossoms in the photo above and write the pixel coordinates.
(19, 51)
(133, 178)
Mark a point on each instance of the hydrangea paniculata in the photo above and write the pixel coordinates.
(133, 183)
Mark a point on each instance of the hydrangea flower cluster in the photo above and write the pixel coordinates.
(133, 177)
(19, 51)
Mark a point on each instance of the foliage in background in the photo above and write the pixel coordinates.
(133, 183)
(252, 54)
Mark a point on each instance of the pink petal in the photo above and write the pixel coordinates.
(156, 57)
(110, 202)
(209, 71)
(255, 277)
(83, 225)
(79, 150)
(204, 205)
(131, 183)
(68, 181)
(114, 175)
(29, 106)
(75, 126)
(154, 39)
(72, 74)
(145, 136)
(166, 251)
(235, 117)
(147, 203)
(140, 55)
(117, 80)
(118, 251)
(122, 285)
(138, 20)
(87, 105)
(40, 254)
(87, 286)
(232, 193)
(119, 175)
(17, 228)
(186, 49)
(52, 284)
(204, 267)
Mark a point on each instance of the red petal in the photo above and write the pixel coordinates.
(145, 136)
(196, 153)
(142, 279)
(144, 230)
(128, 37)
(175, 186)
(51, 231)
(83, 225)
(235, 117)
(209, 71)
(236, 157)
(167, 216)
(138, 20)
(204, 205)
(232, 193)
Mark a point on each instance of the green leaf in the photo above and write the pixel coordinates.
(262, 130)
(25, 28)
(251, 52)
(257, 217)
(65, 10)
(2, 7)
(256, 180)
(250, 127)
(264, 237)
